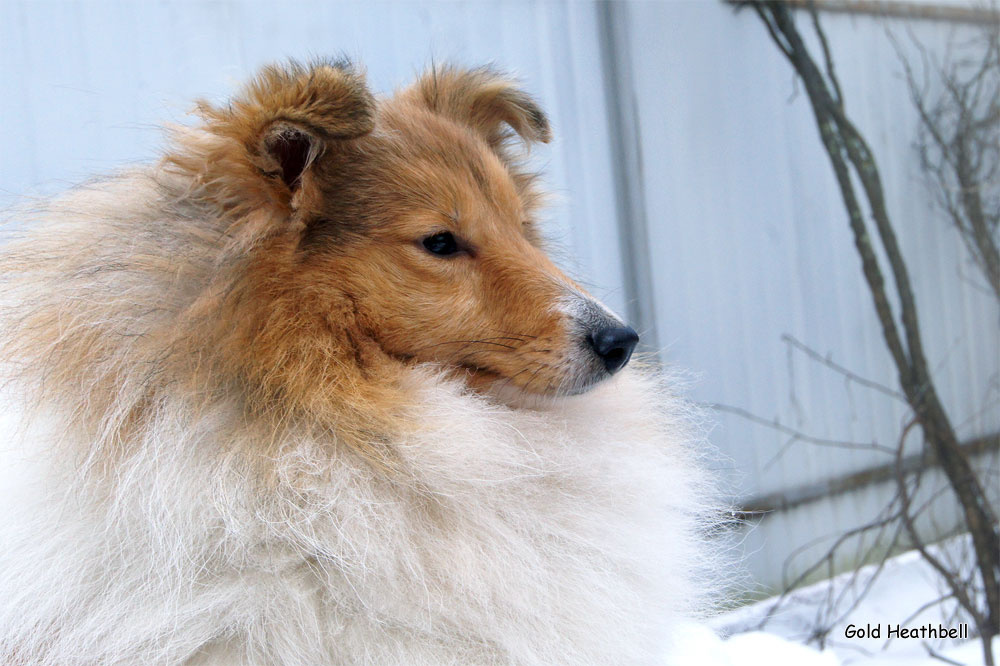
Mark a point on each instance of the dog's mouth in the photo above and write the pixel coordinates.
(494, 382)
(479, 377)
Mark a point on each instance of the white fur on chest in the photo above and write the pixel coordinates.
(565, 534)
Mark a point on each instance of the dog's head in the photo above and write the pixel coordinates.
(406, 226)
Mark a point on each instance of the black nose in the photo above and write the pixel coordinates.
(614, 345)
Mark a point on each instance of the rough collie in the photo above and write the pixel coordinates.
(309, 391)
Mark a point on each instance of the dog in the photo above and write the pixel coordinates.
(309, 391)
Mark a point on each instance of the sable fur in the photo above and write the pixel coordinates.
(247, 420)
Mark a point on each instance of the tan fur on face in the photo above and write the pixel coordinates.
(304, 283)
(356, 290)
(491, 308)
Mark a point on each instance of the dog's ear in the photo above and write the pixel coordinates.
(274, 130)
(483, 99)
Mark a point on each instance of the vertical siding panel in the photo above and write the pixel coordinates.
(15, 105)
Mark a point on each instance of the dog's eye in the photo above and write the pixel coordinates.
(442, 244)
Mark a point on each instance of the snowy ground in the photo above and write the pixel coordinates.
(904, 586)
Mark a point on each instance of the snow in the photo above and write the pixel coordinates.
(699, 645)
(779, 634)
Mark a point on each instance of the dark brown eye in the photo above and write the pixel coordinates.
(442, 244)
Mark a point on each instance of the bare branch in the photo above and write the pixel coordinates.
(825, 360)
(850, 154)
(959, 145)
(795, 435)
(959, 590)
(936, 655)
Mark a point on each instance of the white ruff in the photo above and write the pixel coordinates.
(567, 533)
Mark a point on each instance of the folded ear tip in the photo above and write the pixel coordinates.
(540, 123)
(330, 97)
(483, 98)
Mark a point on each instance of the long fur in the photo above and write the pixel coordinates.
(159, 507)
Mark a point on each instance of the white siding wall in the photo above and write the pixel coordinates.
(750, 242)
(86, 85)
(747, 238)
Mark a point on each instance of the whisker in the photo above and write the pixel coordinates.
(533, 376)
(483, 341)
(518, 335)
(511, 378)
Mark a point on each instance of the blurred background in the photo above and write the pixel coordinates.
(692, 193)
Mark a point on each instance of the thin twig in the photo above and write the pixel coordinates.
(828, 362)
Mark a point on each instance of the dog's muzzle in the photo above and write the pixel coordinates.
(606, 342)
